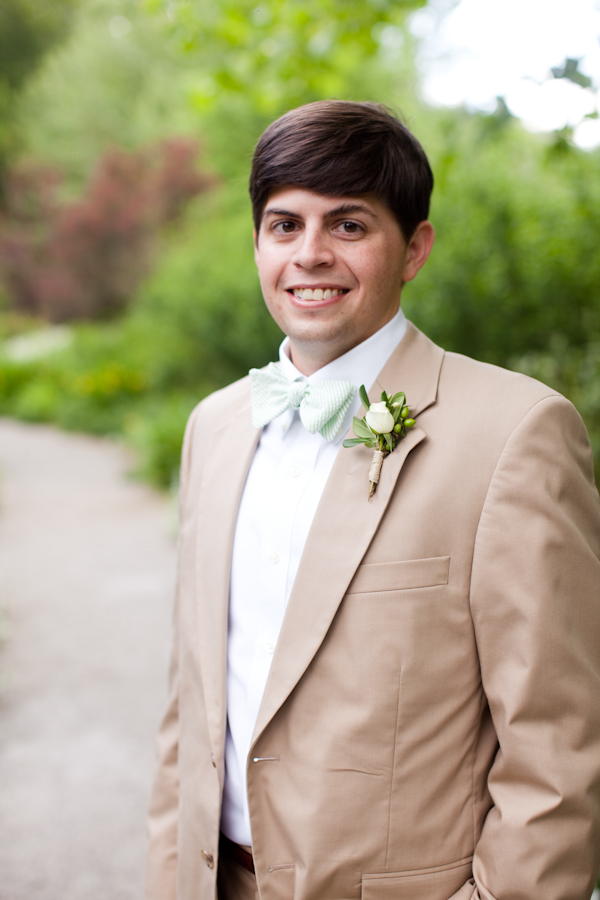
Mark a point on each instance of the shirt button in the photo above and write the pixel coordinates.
(208, 859)
(274, 557)
(295, 471)
(270, 647)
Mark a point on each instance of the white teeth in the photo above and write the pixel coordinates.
(316, 294)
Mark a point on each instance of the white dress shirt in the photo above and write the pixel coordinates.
(281, 495)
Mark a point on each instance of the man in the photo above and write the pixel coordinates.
(394, 698)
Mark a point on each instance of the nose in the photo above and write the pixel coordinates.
(313, 249)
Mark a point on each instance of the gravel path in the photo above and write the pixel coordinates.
(87, 563)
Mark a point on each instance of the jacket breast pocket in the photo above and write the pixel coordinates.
(404, 574)
(441, 883)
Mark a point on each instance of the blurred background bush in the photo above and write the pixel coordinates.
(127, 282)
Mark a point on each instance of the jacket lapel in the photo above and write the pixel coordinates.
(225, 471)
(345, 523)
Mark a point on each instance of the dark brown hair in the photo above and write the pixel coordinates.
(341, 148)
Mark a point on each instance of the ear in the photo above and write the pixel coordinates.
(418, 250)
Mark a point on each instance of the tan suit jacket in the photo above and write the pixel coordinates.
(431, 723)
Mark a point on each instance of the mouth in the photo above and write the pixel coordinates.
(317, 293)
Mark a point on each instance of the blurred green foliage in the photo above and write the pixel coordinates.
(28, 29)
(513, 278)
(198, 324)
(278, 54)
(115, 82)
(518, 224)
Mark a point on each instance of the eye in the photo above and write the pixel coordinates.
(284, 227)
(348, 227)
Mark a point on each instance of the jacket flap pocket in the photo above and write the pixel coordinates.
(400, 575)
(430, 884)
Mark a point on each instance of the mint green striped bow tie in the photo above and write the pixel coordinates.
(322, 406)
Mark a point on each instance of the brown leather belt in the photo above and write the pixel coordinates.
(234, 851)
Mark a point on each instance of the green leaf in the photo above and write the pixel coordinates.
(399, 398)
(361, 429)
(364, 396)
(384, 397)
(353, 442)
(396, 410)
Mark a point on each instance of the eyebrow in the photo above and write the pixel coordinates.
(343, 210)
(347, 208)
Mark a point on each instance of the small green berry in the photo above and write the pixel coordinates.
(397, 428)
(408, 423)
(404, 412)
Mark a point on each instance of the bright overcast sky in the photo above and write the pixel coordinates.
(482, 49)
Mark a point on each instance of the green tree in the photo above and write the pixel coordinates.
(517, 218)
(115, 81)
(28, 29)
(281, 53)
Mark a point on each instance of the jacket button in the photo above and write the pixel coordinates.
(208, 859)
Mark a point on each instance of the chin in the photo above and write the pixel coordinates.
(333, 334)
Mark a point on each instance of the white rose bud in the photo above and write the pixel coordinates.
(379, 418)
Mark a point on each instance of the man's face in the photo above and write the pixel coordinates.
(332, 269)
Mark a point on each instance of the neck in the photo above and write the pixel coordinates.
(310, 359)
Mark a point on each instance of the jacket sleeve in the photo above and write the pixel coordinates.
(161, 869)
(535, 599)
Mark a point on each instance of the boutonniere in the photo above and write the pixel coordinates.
(382, 427)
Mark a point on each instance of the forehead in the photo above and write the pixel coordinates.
(303, 202)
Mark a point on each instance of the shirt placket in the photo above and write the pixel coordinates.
(276, 545)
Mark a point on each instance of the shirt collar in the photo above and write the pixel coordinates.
(361, 365)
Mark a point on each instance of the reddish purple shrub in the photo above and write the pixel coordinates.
(85, 259)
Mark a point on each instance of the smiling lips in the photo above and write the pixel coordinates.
(317, 293)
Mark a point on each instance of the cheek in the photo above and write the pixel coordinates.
(271, 291)
(385, 270)
(372, 274)
(273, 299)
(370, 263)
(270, 271)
